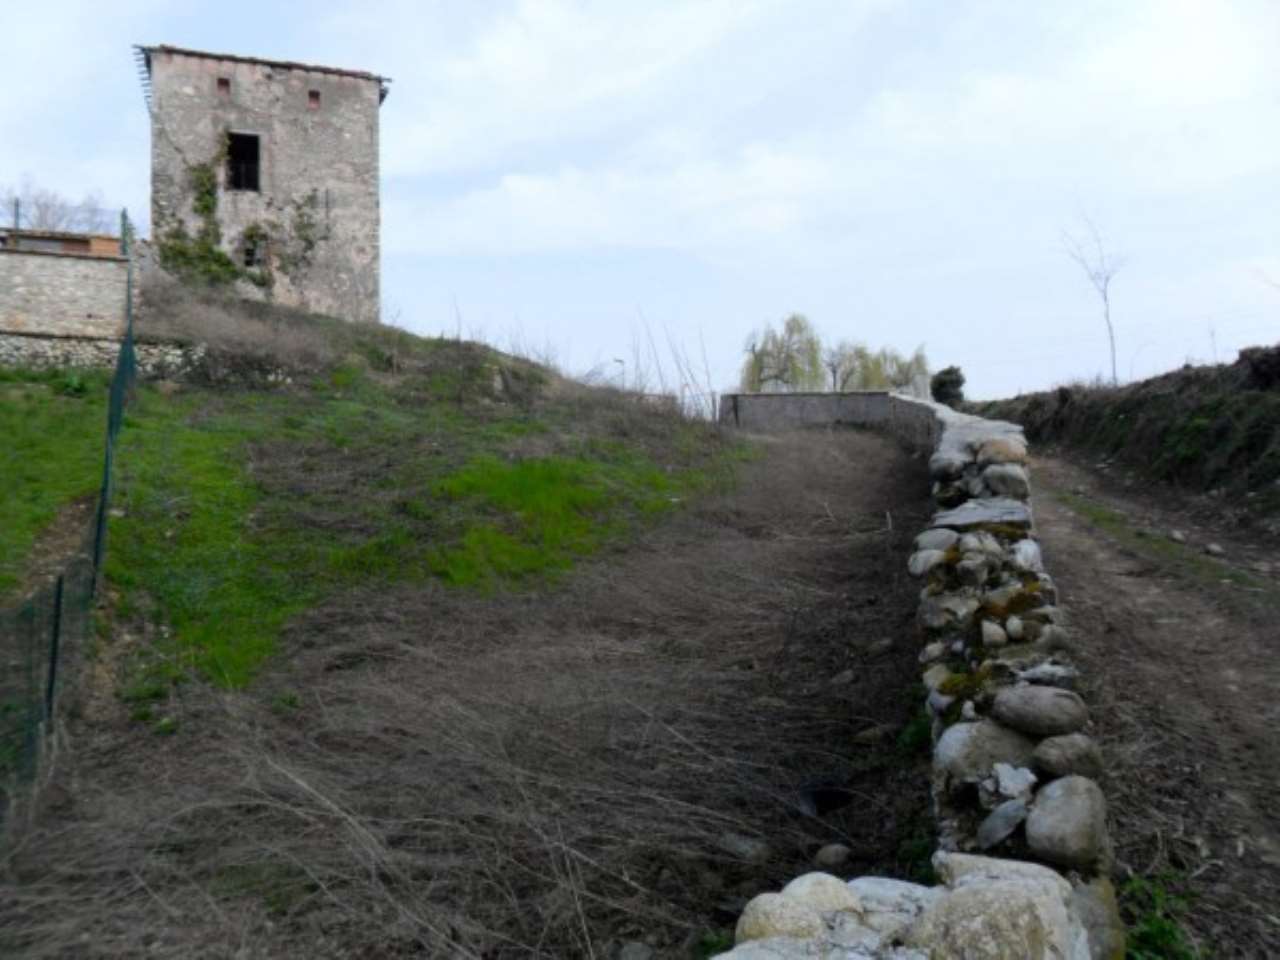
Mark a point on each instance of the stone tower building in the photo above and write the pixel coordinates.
(265, 174)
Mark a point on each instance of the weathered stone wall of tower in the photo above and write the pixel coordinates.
(317, 203)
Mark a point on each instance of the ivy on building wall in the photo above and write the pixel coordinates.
(199, 257)
(305, 234)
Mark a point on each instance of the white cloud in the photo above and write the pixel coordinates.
(548, 71)
(905, 161)
(1161, 98)
(72, 117)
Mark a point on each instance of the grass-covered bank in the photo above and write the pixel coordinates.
(385, 458)
(236, 510)
(546, 768)
(1202, 428)
(423, 650)
(53, 425)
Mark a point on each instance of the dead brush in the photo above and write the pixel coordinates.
(172, 311)
(304, 342)
(541, 773)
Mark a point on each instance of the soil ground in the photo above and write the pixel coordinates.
(628, 754)
(1183, 653)
(70, 533)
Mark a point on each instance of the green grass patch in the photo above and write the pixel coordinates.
(186, 542)
(915, 857)
(1154, 913)
(538, 515)
(54, 424)
(916, 738)
(713, 943)
(241, 510)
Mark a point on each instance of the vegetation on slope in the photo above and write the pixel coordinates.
(1203, 428)
(387, 459)
(53, 425)
(629, 753)
(444, 666)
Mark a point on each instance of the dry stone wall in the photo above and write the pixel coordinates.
(1024, 855)
(155, 360)
(193, 362)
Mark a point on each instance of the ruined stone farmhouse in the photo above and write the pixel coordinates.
(264, 173)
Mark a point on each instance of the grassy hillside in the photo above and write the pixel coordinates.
(1202, 428)
(429, 652)
(52, 424)
(385, 459)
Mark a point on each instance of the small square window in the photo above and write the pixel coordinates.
(313, 99)
(255, 252)
(224, 86)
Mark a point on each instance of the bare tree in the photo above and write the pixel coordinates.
(1100, 266)
(40, 208)
(842, 363)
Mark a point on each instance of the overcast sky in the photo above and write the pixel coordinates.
(900, 171)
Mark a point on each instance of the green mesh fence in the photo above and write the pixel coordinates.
(43, 638)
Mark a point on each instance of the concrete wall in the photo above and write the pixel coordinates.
(913, 421)
(61, 295)
(319, 173)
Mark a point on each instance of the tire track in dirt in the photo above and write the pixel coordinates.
(1185, 686)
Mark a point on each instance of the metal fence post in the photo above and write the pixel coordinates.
(55, 637)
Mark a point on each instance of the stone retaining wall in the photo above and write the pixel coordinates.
(61, 294)
(1014, 767)
(156, 361)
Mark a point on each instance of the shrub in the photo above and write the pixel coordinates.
(947, 386)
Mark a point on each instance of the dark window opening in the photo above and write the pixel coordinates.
(224, 86)
(255, 252)
(242, 162)
(313, 99)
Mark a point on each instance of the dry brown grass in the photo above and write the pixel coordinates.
(171, 311)
(545, 774)
(247, 332)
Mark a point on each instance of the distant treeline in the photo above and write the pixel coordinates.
(794, 358)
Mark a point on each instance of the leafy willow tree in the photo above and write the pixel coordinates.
(795, 359)
(856, 367)
(910, 374)
(786, 360)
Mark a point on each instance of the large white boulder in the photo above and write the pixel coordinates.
(774, 915)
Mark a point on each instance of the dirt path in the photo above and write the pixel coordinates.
(1182, 651)
(70, 533)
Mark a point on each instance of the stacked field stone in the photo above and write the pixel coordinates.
(40, 353)
(1014, 767)
(984, 909)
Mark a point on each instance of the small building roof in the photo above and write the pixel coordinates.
(143, 54)
(41, 234)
